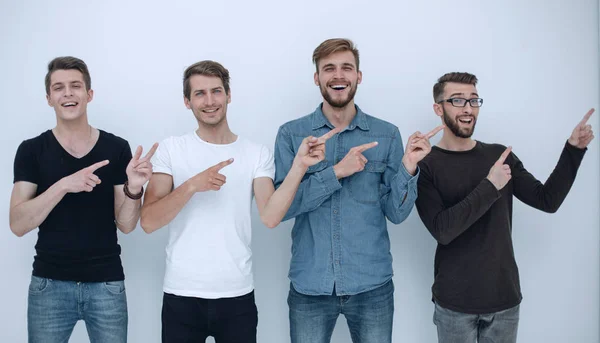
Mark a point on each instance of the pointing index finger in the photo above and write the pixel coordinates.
(504, 156)
(586, 117)
(329, 134)
(222, 165)
(434, 131)
(97, 165)
(366, 146)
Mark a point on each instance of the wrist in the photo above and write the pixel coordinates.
(410, 167)
(298, 165)
(134, 189)
(337, 172)
(133, 193)
(492, 182)
(62, 186)
(190, 187)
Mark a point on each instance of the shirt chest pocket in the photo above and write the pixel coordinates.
(365, 186)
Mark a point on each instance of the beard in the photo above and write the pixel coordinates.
(341, 103)
(454, 127)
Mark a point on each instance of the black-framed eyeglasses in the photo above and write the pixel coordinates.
(462, 102)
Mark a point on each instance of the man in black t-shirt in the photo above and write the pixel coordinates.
(77, 184)
(465, 199)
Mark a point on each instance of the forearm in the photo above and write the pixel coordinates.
(281, 200)
(312, 192)
(549, 196)
(447, 224)
(129, 212)
(161, 212)
(398, 203)
(31, 214)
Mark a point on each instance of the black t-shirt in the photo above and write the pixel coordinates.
(475, 269)
(78, 239)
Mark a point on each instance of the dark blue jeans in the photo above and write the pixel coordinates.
(369, 315)
(228, 320)
(456, 327)
(54, 307)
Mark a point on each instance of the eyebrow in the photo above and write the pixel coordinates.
(62, 83)
(345, 64)
(211, 89)
(459, 94)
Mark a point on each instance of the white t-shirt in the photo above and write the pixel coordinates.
(208, 253)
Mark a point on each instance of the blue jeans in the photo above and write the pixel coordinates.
(54, 307)
(456, 327)
(369, 315)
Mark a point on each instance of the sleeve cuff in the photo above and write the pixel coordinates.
(574, 149)
(163, 170)
(489, 187)
(404, 176)
(330, 182)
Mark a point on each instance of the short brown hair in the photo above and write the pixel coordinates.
(68, 63)
(332, 46)
(464, 78)
(206, 68)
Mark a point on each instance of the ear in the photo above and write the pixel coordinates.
(186, 101)
(90, 94)
(316, 78)
(439, 111)
(359, 77)
(49, 101)
(229, 96)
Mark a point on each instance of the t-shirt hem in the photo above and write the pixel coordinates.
(208, 295)
(478, 310)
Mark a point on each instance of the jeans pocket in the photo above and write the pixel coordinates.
(115, 287)
(38, 284)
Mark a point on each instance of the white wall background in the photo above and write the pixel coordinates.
(538, 65)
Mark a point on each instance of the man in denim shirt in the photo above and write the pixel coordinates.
(341, 261)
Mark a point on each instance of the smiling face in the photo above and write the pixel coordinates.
(459, 120)
(208, 100)
(338, 78)
(68, 94)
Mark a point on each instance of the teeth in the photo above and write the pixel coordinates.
(209, 111)
(338, 87)
(69, 104)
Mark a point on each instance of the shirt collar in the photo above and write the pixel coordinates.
(319, 120)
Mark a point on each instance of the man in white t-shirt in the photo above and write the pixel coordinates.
(202, 186)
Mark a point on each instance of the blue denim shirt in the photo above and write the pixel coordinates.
(340, 234)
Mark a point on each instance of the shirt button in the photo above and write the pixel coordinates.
(337, 262)
(335, 211)
(336, 236)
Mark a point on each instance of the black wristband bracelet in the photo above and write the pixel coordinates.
(129, 194)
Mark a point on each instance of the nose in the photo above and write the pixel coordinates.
(68, 91)
(467, 109)
(337, 74)
(210, 99)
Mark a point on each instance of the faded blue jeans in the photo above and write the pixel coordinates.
(456, 327)
(369, 315)
(54, 307)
